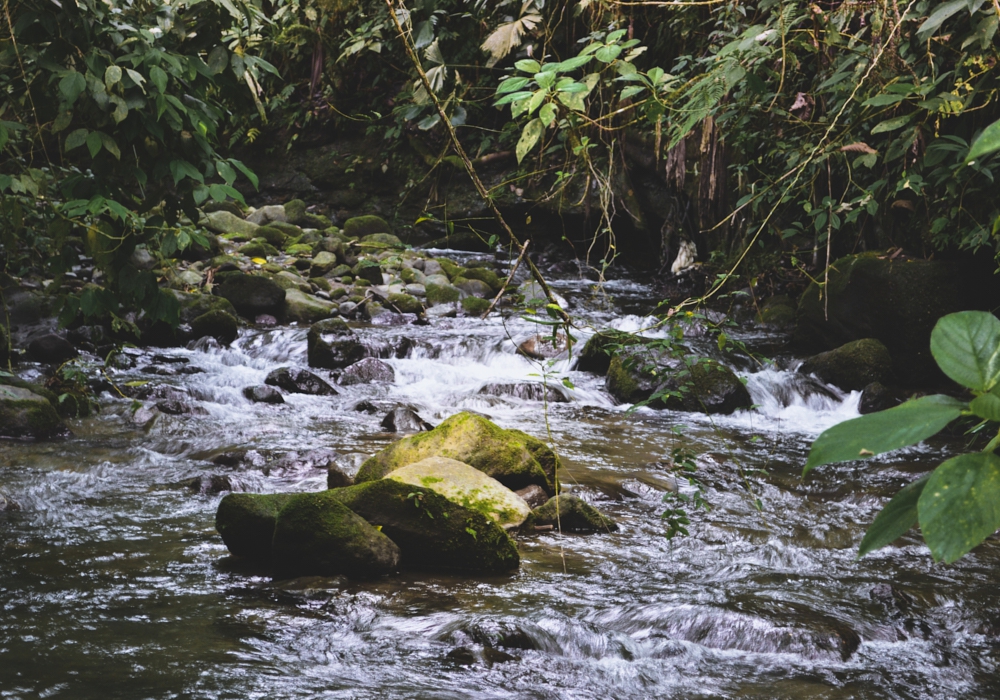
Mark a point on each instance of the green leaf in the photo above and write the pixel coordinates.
(528, 65)
(218, 59)
(512, 97)
(62, 121)
(960, 505)
(94, 143)
(898, 516)
(200, 194)
(883, 100)
(136, 77)
(536, 101)
(986, 143)
(607, 54)
(512, 84)
(545, 80)
(966, 346)
(867, 436)
(987, 406)
(112, 75)
(631, 91)
(529, 137)
(616, 35)
(225, 171)
(159, 78)
(891, 124)
(572, 64)
(109, 145)
(250, 174)
(938, 17)
(181, 169)
(71, 86)
(547, 114)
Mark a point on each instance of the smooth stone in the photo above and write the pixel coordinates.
(299, 381)
(27, 415)
(533, 495)
(263, 394)
(227, 222)
(267, 214)
(51, 349)
(306, 308)
(571, 514)
(403, 419)
(367, 371)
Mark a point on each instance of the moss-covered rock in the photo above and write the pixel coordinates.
(431, 531)
(317, 535)
(474, 306)
(306, 308)
(405, 303)
(452, 269)
(253, 295)
(852, 366)
(778, 312)
(290, 230)
(894, 301)
(258, 248)
(484, 275)
(382, 239)
(570, 514)
(300, 250)
(227, 222)
(368, 270)
(286, 279)
(194, 305)
(246, 522)
(697, 385)
(442, 294)
(513, 458)
(466, 486)
(220, 325)
(25, 415)
(322, 263)
(598, 350)
(476, 288)
(339, 272)
(331, 344)
(272, 235)
(295, 209)
(361, 226)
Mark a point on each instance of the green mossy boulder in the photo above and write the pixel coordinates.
(306, 308)
(475, 288)
(695, 385)
(25, 415)
(300, 250)
(258, 248)
(382, 239)
(368, 270)
(339, 272)
(286, 279)
(569, 514)
(778, 312)
(441, 294)
(474, 306)
(246, 522)
(431, 531)
(227, 222)
(405, 303)
(252, 295)
(599, 349)
(290, 230)
(894, 301)
(322, 263)
(194, 305)
(361, 226)
(484, 275)
(450, 268)
(294, 210)
(852, 366)
(272, 235)
(511, 457)
(317, 535)
(222, 326)
(466, 486)
(331, 344)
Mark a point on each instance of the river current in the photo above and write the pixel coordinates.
(114, 583)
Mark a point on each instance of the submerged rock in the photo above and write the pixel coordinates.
(513, 458)
(601, 347)
(431, 531)
(367, 371)
(316, 535)
(466, 486)
(27, 415)
(853, 366)
(878, 397)
(331, 344)
(403, 419)
(246, 522)
(571, 514)
(299, 381)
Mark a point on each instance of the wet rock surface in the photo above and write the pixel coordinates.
(299, 381)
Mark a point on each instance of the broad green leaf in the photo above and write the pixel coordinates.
(631, 91)
(966, 346)
(536, 101)
(121, 110)
(573, 100)
(181, 169)
(62, 121)
(529, 137)
(71, 86)
(938, 17)
(883, 100)
(867, 436)
(547, 114)
(250, 174)
(528, 65)
(893, 521)
(136, 78)
(655, 75)
(607, 54)
(987, 406)
(891, 124)
(94, 143)
(616, 35)
(960, 505)
(545, 80)
(572, 63)
(986, 143)
(112, 75)
(511, 84)
(225, 171)
(218, 59)
(512, 97)
(200, 194)
(159, 78)
(109, 145)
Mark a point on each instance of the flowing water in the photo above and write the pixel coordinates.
(114, 583)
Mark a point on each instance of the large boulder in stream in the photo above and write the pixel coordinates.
(331, 344)
(306, 308)
(894, 301)
(26, 415)
(246, 522)
(602, 346)
(512, 457)
(317, 535)
(253, 295)
(696, 385)
(467, 486)
(852, 366)
(431, 531)
(299, 381)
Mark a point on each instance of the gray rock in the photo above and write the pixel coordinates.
(142, 259)
(534, 495)
(367, 371)
(263, 394)
(526, 391)
(267, 214)
(476, 288)
(571, 514)
(227, 222)
(306, 308)
(220, 325)
(26, 415)
(322, 263)
(299, 381)
(404, 419)
(253, 295)
(331, 344)
(337, 478)
(52, 349)
(852, 366)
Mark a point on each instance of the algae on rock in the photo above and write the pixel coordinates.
(246, 522)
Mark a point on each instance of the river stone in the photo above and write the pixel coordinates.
(571, 514)
(322, 263)
(27, 415)
(188, 279)
(438, 294)
(52, 349)
(246, 522)
(306, 308)
(263, 394)
(598, 350)
(894, 301)
(382, 239)
(286, 279)
(258, 248)
(877, 397)
(852, 366)
(299, 381)
(253, 295)
(403, 419)
(272, 235)
(476, 288)
(439, 279)
(533, 495)
(405, 303)
(466, 486)
(194, 305)
(778, 312)
(431, 531)
(368, 270)
(513, 458)
(361, 226)
(267, 214)
(220, 325)
(227, 222)
(484, 275)
(367, 371)
(331, 344)
(411, 275)
(316, 535)
(337, 478)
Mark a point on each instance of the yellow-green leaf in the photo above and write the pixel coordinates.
(960, 505)
(529, 137)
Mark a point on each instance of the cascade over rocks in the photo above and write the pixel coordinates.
(512, 457)
(852, 366)
(331, 344)
(367, 371)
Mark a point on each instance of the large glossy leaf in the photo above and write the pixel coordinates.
(939, 16)
(966, 346)
(898, 516)
(71, 86)
(986, 143)
(987, 406)
(904, 425)
(529, 137)
(960, 505)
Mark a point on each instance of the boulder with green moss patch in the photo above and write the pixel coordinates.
(570, 514)
(852, 366)
(246, 522)
(368, 270)
(306, 308)
(227, 222)
(25, 415)
(258, 248)
(484, 275)
(382, 240)
(431, 531)
(441, 294)
(222, 326)
(601, 347)
(252, 295)
(405, 303)
(290, 230)
(361, 226)
(272, 235)
(466, 486)
(474, 306)
(322, 263)
(317, 535)
(513, 458)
